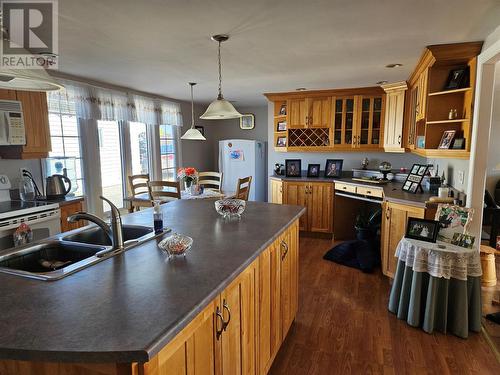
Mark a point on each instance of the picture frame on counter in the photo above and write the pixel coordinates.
(422, 229)
(293, 167)
(414, 179)
(247, 121)
(420, 141)
(313, 170)
(281, 126)
(453, 219)
(281, 141)
(447, 139)
(333, 168)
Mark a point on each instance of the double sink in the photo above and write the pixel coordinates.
(56, 258)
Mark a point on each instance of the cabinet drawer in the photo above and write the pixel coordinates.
(345, 187)
(372, 192)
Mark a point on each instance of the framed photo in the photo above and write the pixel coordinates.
(420, 141)
(247, 121)
(457, 79)
(283, 110)
(463, 240)
(313, 170)
(415, 177)
(281, 142)
(452, 219)
(281, 126)
(458, 144)
(201, 129)
(293, 167)
(422, 229)
(447, 139)
(333, 168)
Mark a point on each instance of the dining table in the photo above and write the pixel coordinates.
(144, 199)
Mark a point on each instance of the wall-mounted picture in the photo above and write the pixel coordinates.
(333, 168)
(422, 229)
(463, 240)
(201, 129)
(447, 139)
(414, 178)
(281, 142)
(281, 126)
(293, 167)
(283, 110)
(452, 219)
(457, 79)
(247, 121)
(313, 170)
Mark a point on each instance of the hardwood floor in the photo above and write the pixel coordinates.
(343, 327)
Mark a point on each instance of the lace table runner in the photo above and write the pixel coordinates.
(452, 261)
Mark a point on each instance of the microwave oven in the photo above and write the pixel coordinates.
(11, 123)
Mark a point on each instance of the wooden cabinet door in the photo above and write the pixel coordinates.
(36, 122)
(344, 122)
(320, 207)
(236, 353)
(295, 193)
(411, 128)
(422, 95)
(394, 223)
(297, 113)
(394, 118)
(191, 352)
(276, 191)
(8, 95)
(269, 307)
(70, 209)
(289, 278)
(370, 127)
(319, 112)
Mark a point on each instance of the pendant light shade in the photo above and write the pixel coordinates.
(27, 80)
(192, 133)
(220, 108)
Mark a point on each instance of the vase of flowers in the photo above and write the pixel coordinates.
(188, 175)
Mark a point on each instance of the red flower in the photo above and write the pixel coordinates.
(190, 171)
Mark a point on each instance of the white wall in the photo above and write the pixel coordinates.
(493, 171)
(11, 168)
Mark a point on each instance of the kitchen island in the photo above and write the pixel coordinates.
(225, 307)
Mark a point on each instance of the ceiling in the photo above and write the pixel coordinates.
(158, 46)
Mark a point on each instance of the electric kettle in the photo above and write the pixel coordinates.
(55, 187)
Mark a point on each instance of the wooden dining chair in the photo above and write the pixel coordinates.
(211, 180)
(164, 189)
(243, 188)
(138, 184)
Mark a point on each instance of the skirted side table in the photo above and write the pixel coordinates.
(437, 289)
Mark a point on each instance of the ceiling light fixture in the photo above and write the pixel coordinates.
(300, 89)
(220, 109)
(192, 133)
(396, 65)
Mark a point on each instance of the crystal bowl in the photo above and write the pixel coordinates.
(176, 244)
(230, 207)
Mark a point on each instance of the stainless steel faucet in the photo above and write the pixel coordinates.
(114, 233)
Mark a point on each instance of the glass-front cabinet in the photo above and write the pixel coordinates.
(370, 132)
(343, 122)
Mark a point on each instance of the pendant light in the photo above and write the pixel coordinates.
(27, 80)
(192, 133)
(220, 109)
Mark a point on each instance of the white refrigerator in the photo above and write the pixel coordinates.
(239, 158)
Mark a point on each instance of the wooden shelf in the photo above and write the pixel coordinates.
(457, 120)
(447, 92)
(281, 132)
(438, 153)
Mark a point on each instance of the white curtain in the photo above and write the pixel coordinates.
(97, 103)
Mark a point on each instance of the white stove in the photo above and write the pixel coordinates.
(43, 218)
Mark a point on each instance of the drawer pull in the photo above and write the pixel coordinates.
(218, 315)
(225, 323)
(285, 247)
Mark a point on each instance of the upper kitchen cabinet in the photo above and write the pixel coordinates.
(394, 116)
(440, 99)
(328, 120)
(36, 124)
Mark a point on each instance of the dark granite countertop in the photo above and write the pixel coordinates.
(126, 308)
(392, 190)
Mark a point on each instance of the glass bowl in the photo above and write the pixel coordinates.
(230, 207)
(176, 244)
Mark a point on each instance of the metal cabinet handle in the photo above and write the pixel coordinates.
(218, 314)
(399, 140)
(225, 307)
(388, 213)
(284, 245)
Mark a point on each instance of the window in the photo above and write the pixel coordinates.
(168, 152)
(111, 162)
(65, 139)
(139, 148)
